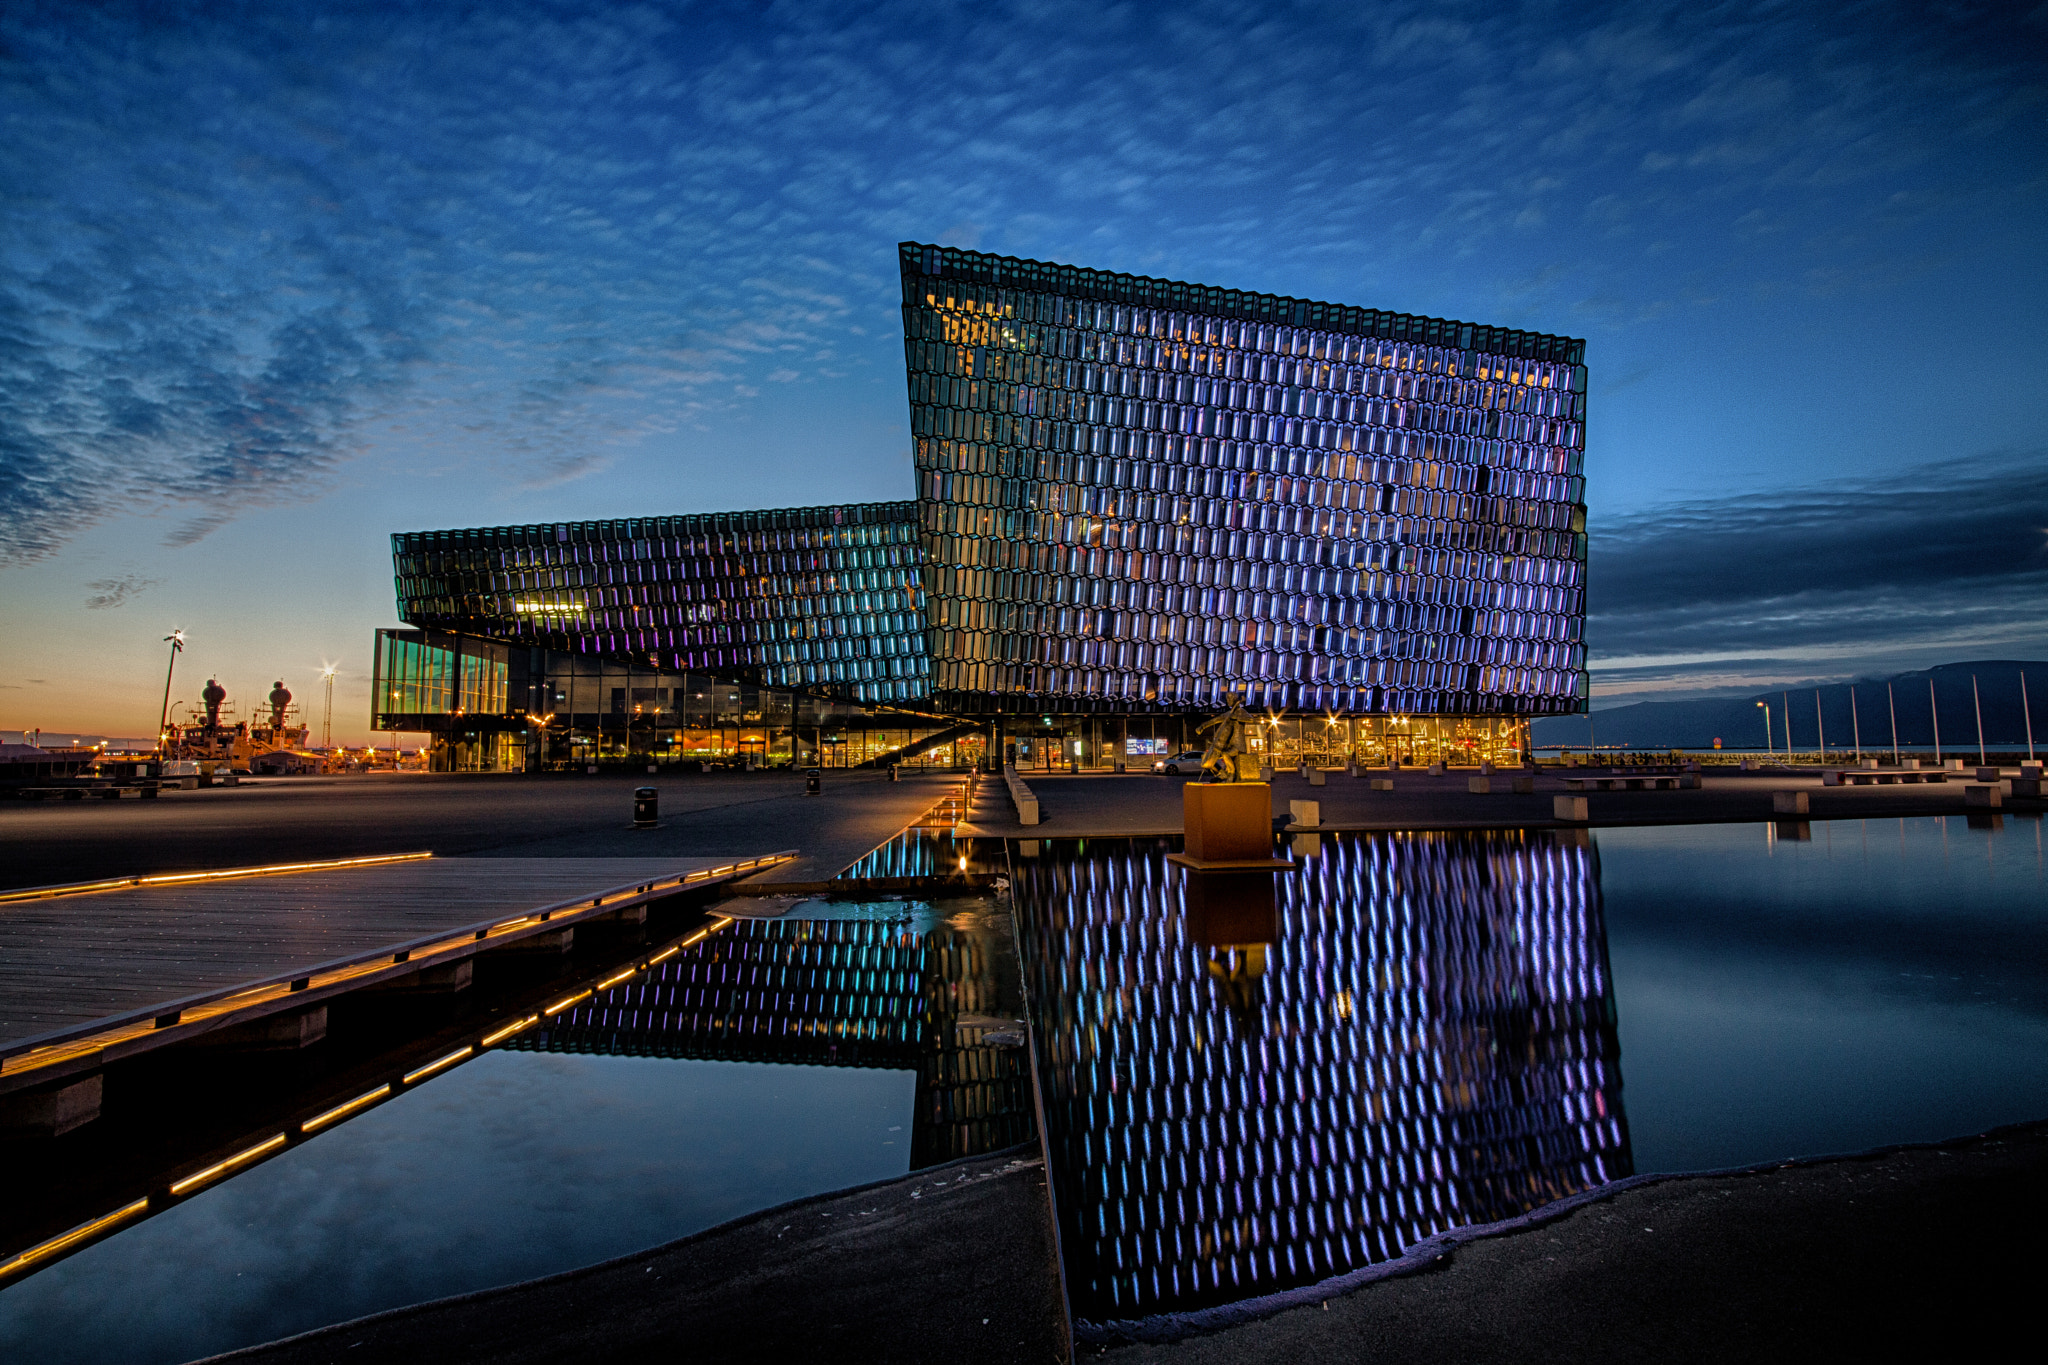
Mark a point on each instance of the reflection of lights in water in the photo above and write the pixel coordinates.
(1424, 1044)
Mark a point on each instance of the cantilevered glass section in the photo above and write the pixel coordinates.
(1138, 493)
(1253, 1083)
(820, 599)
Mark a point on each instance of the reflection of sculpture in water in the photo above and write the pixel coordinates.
(1238, 970)
(1228, 757)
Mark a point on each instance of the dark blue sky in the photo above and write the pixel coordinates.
(275, 286)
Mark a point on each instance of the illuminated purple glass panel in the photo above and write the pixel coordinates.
(1138, 493)
(817, 599)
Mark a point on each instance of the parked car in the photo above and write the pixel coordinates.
(1173, 765)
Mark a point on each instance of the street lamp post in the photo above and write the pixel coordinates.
(327, 714)
(176, 640)
(1769, 747)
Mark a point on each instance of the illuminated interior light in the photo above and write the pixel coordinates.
(84, 1232)
(342, 1111)
(506, 1032)
(431, 1067)
(241, 1158)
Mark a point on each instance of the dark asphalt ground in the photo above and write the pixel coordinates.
(1918, 1254)
(285, 819)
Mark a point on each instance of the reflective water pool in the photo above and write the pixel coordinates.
(1255, 1083)
(1249, 1084)
(776, 1058)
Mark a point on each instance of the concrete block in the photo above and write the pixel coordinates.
(1988, 775)
(1485, 767)
(1955, 765)
(1265, 773)
(1569, 808)
(1868, 763)
(52, 1111)
(2027, 786)
(1479, 786)
(1318, 778)
(272, 1033)
(1304, 812)
(1831, 777)
(1689, 782)
(1436, 770)
(1983, 795)
(2033, 770)
(1382, 784)
(1308, 845)
(1524, 786)
(1788, 803)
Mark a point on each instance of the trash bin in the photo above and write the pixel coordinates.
(646, 807)
(894, 773)
(814, 781)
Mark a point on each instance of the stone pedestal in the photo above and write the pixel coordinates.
(1229, 826)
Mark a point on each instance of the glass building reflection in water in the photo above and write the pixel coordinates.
(894, 993)
(1253, 1083)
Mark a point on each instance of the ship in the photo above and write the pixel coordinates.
(215, 742)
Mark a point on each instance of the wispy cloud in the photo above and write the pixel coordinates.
(536, 234)
(1720, 591)
(107, 593)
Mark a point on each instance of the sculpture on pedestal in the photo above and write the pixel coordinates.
(1228, 757)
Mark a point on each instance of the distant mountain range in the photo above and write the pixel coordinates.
(1739, 724)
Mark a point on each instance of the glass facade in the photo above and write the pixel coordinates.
(1258, 1086)
(1133, 496)
(493, 707)
(824, 599)
(1138, 492)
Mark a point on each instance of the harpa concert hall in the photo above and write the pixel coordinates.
(1134, 496)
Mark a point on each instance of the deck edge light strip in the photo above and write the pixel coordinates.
(186, 878)
(506, 1032)
(431, 1067)
(561, 1005)
(343, 1110)
(215, 1171)
(70, 1049)
(43, 1251)
(612, 981)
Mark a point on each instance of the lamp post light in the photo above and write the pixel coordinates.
(176, 640)
(327, 714)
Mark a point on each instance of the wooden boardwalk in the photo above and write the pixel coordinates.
(86, 978)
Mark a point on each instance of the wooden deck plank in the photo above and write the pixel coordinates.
(72, 960)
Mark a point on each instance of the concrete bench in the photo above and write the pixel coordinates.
(1982, 794)
(1021, 795)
